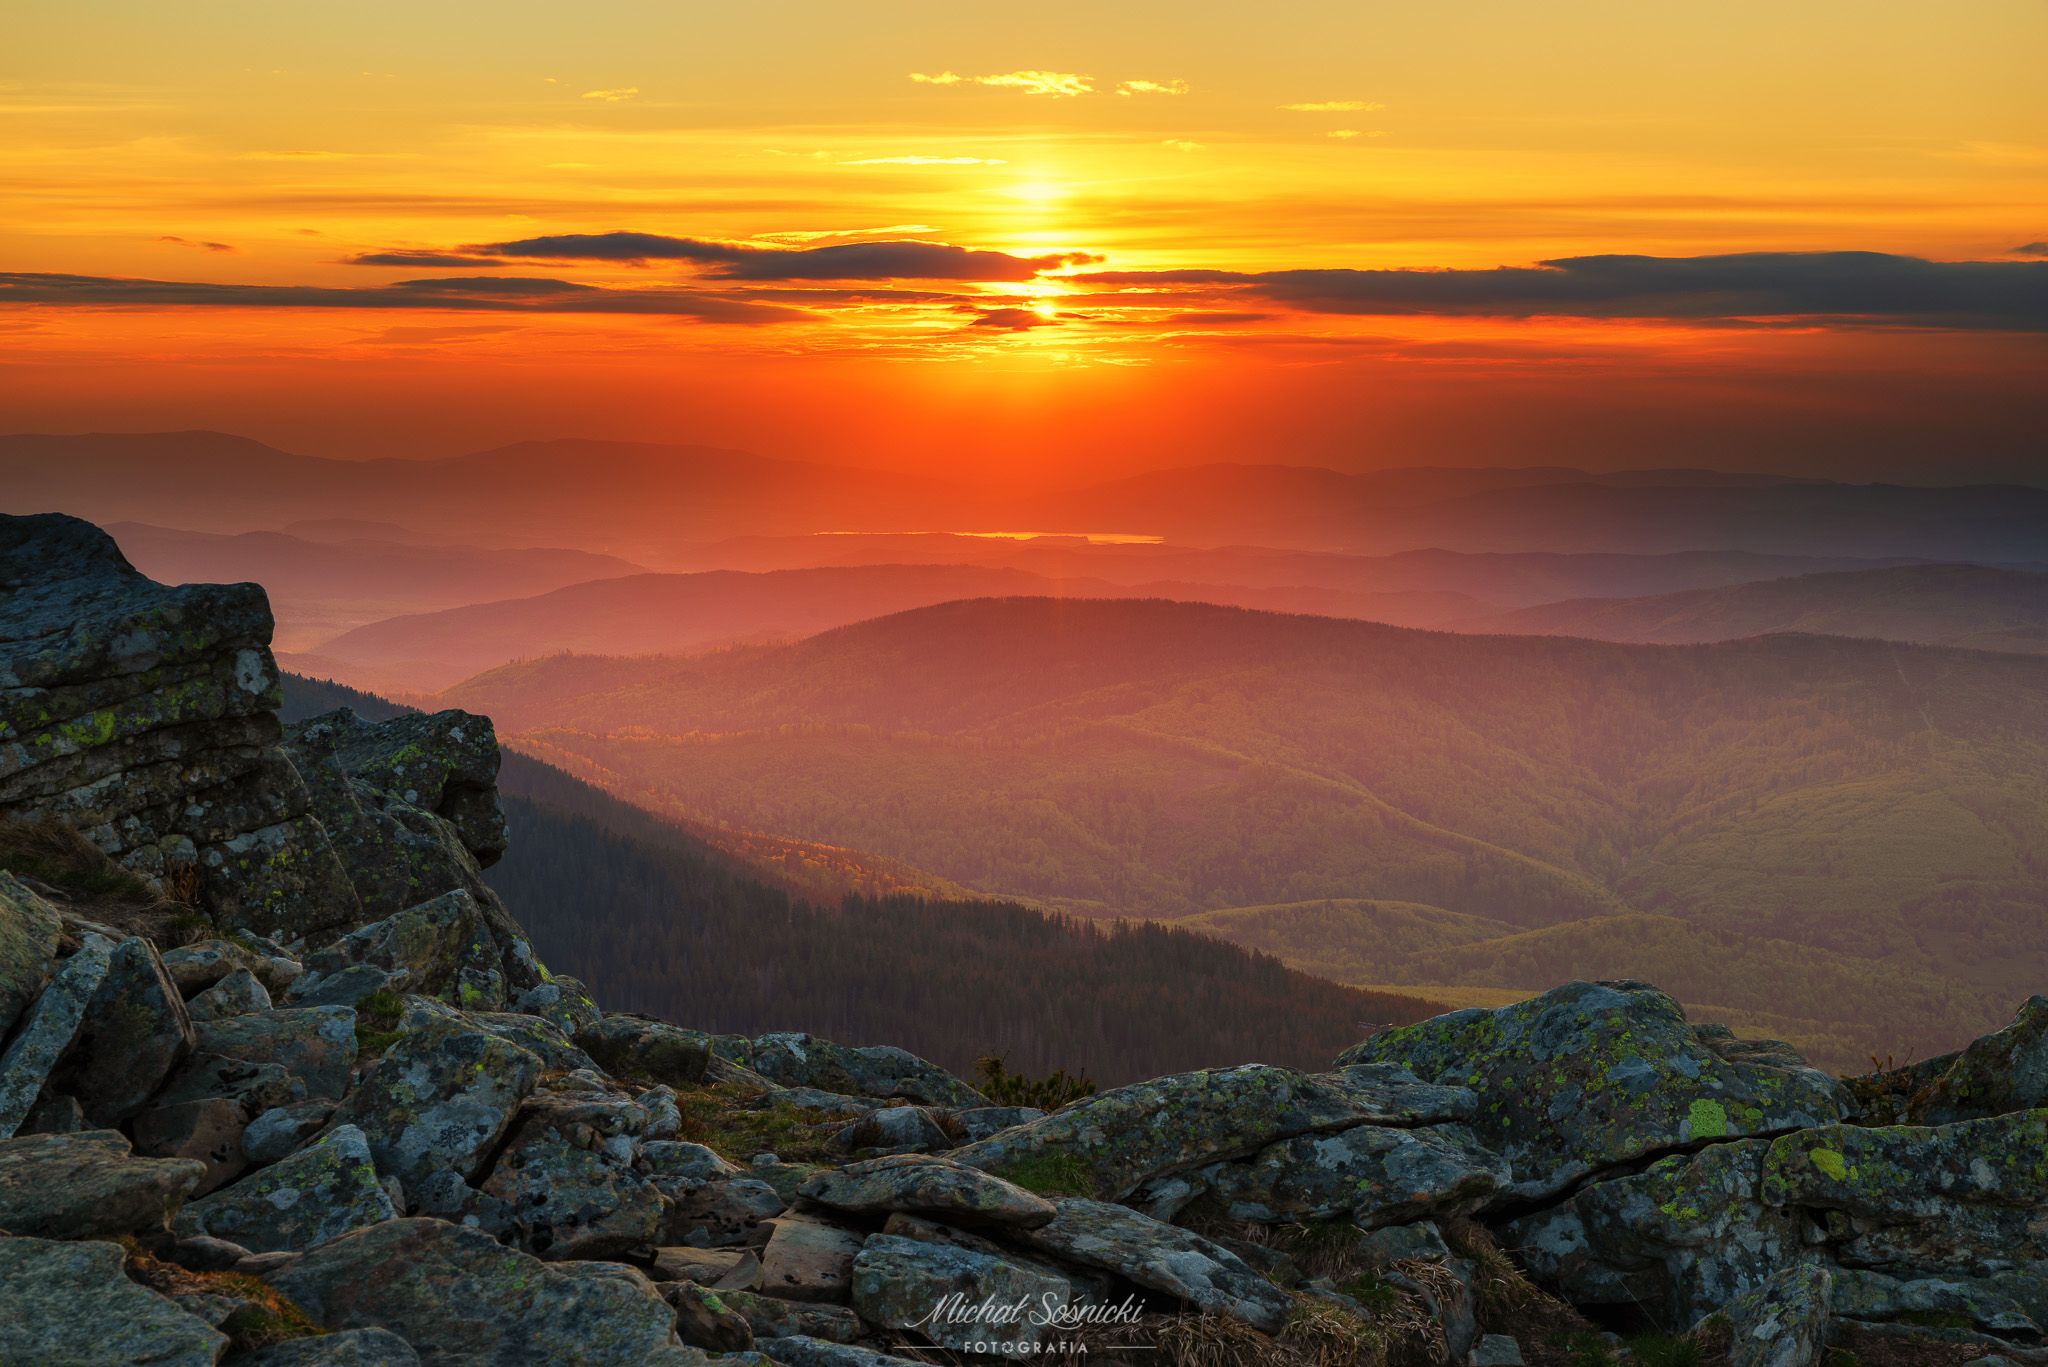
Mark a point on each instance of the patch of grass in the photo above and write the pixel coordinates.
(1050, 1174)
(1507, 1302)
(377, 1021)
(718, 1117)
(1937, 1319)
(266, 1317)
(78, 873)
(1666, 1350)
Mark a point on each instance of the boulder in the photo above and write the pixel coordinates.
(2002, 1072)
(722, 1269)
(704, 1320)
(548, 1042)
(28, 948)
(958, 1298)
(1953, 1199)
(319, 1193)
(238, 994)
(465, 1297)
(282, 1129)
(70, 1302)
(1108, 1145)
(135, 1030)
(727, 1213)
(1162, 1257)
(349, 1348)
(256, 1087)
(562, 1001)
(209, 1131)
(1592, 1075)
(798, 1350)
(893, 1130)
(928, 1186)
(809, 1259)
(48, 1028)
(881, 1071)
(196, 967)
(144, 717)
(80, 1186)
(637, 1047)
(773, 1317)
(316, 1045)
(566, 1179)
(1689, 1234)
(345, 986)
(1370, 1174)
(422, 948)
(439, 1101)
(979, 1122)
(1783, 1323)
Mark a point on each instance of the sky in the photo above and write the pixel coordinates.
(1030, 244)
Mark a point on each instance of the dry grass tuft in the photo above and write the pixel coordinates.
(73, 872)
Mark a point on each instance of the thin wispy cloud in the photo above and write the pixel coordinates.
(618, 96)
(1152, 88)
(900, 260)
(925, 161)
(201, 246)
(1346, 134)
(1058, 84)
(1183, 145)
(1335, 107)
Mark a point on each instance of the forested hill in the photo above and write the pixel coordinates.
(656, 921)
(1976, 606)
(1872, 800)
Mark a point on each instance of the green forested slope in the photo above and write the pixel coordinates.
(1880, 803)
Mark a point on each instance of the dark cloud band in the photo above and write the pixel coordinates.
(842, 261)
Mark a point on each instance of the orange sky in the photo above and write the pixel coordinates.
(1039, 241)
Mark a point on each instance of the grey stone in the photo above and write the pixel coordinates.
(925, 1185)
(319, 1193)
(209, 1131)
(721, 1214)
(69, 1302)
(637, 1047)
(1162, 1257)
(135, 1030)
(1784, 1323)
(881, 1071)
(797, 1350)
(79, 1186)
(314, 1044)
(1374, 1175)
(28, 948)
(48, 1029)
(944, 1292)
(809, 1259)
(349, 1348)
(238, 994)
(462, 1297)
(282, 1129)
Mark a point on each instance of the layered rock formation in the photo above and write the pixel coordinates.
(350, 1118)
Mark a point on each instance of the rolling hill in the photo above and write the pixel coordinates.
(319, 588)
(1972, 606)
(654, 919)
(1873, 804)
(679, 613)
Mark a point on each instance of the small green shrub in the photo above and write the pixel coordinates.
(1048, 1093)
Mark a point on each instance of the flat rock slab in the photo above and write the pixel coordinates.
(459, 1296)
(1591, 1075)
(800, 1351)
(924, 1185)
(958, 1298)
(69, 1302)
(809, 1260)
(319, 1193)
(48, 1029)
(1110, 1144)
(1373, 1174)
(135, 1030)
(876, 1070)
(78, 1186)
(1162, 1257)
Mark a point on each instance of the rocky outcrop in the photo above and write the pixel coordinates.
(358, 1098)
(146, 718)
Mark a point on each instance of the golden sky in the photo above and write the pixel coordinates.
(1052, 239)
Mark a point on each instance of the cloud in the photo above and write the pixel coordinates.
(1013, 320)
(1863, 286)
(1152, 88)
(424, 260)
(1183, 145)
(2031, 249)
(618, 96)
(890, 260)
(1057, 84)
(1336, 107)
(494, 294)
(202, 246)
(1346, 134)
(925, 161)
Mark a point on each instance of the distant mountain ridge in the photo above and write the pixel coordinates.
(1973, 606)
(641, 500)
